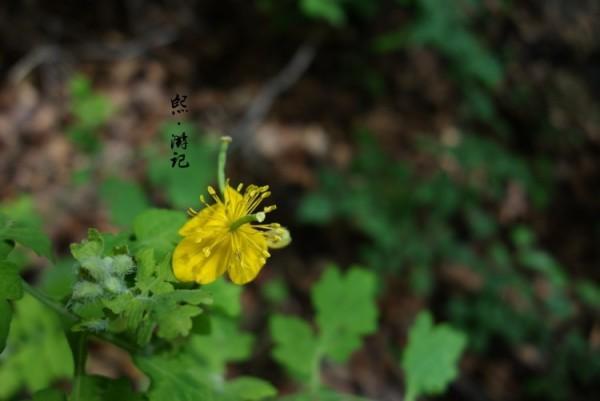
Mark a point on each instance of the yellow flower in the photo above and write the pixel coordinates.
(225, 236)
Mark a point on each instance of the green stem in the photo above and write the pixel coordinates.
(79, 367)
(60, 310)
(50, 303)
(225, 141)
(315, 374)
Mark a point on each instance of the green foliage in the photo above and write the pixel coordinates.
(58, 281)
(96, 388)
(5, 248)
(174, 378)
(296, 346)
(157, 229)
(198, 370)
(322, 395)
(10, 281)
(125, 200)
(330, 10)
(183, 378)
(90, 111)
(226, 297)
(105, 299)
(589, 293)
(431, 356)
(417, 221)
(275, 291)
(11, 285)
(5, 319)
(336, 12)
(225, 336)
(250, 389)
(22, 209)
(180, 186)
(26, 234)
(37, 352)
(346, 312)
(444, 27)
(48, 394)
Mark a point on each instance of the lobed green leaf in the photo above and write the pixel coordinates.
(346, 310)
(295, 344)
(431, 356)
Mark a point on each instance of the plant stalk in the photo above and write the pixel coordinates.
(79, 367)
(225, 141)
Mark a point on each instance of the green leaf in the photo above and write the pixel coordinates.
(431, 356)
(329, 10)
(5, 319)
(58, 281)
(250, 389)
(152, 277)
(174, 311)
(588, 292)
(91, 247)
(193, 297)
(176, 321)
(39, 352)
(275, 291)
(145, 273)
(116, 243)
(96, 388)
(225, 343)
(157, 229)
(22, 209)
(6, 246)
(174, 378)
(11, 286)
(125, 200)
(317, 209)
(295, 344)
(226, 296)
(25, 234)
(91, 109)
(346, 310)
(49, 394)
(119, 390)
(182, 186)
(321, 395)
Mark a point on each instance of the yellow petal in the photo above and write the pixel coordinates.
(197, 221)
(213, 266)
(235, 203)
(249, 253)
(185, 258)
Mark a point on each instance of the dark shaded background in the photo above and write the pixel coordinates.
(293, 89)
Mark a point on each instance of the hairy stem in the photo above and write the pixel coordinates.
(315, 375)
(225, 141)
(81, 356)
(50, 303)
(63, 312)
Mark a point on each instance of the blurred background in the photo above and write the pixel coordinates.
(452, 147)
